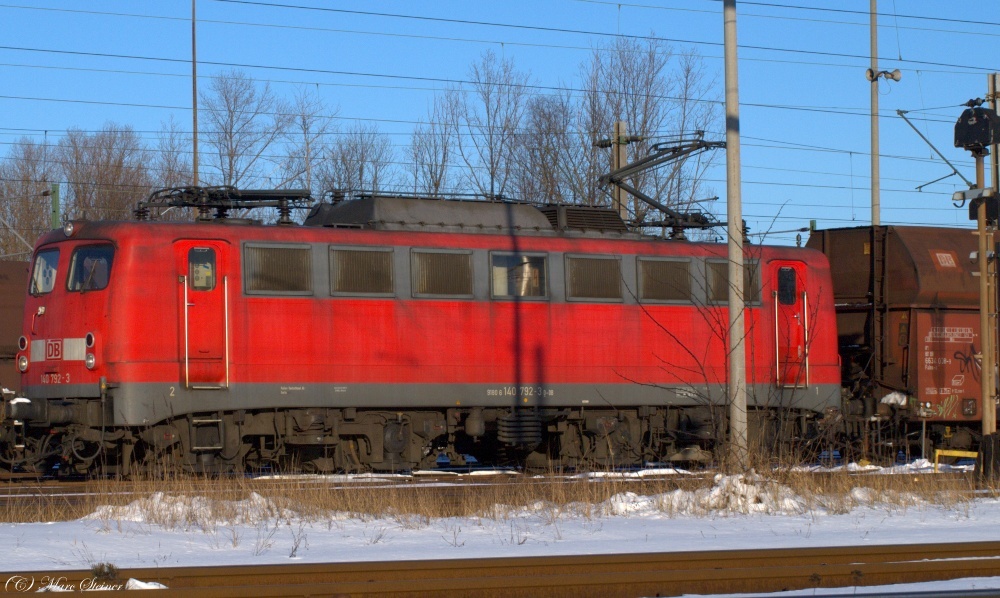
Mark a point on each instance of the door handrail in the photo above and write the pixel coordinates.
(805, 331)
(187, 347)
(777, 345)
(225, 292)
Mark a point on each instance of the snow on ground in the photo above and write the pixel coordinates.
(735, 512)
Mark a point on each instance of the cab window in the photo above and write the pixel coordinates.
(43, 275)
(90, 268)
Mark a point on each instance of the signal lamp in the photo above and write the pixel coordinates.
(22, 363)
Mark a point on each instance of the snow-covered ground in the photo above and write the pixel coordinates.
(736, 512)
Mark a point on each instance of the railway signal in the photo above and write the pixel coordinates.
(977, 129)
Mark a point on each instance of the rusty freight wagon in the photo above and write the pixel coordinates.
(907, 303)
(13, 282)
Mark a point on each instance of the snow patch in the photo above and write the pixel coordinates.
(193, 511)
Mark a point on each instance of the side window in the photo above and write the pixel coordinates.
(277, 269)
(90, 268)
(786, 286)
(515, 275)
(361, 271)
(593, 278)
(664, 279)
(201, 268)
(441, 273)
(43, 275)
(717, 272)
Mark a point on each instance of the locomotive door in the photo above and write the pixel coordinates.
(791, 323)
(203, 301)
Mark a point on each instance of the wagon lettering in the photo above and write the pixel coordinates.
(520, 391)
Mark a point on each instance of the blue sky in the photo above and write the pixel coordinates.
(804, 96)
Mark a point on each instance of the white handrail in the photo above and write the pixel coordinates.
(777, 343)
(225, 290)
(805, 331)
(187, 347)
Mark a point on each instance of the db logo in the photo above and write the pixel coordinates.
(53, 349)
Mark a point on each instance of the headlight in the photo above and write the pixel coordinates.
(68, 229)
(90, 361)
(22, 363)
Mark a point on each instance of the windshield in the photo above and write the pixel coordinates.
(90, 268)
(43, 276)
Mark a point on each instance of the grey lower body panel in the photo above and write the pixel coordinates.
(146, 404)
(62, 391)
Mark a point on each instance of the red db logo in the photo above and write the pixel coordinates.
(53, 349)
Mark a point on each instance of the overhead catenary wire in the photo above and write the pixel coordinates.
(404, 123)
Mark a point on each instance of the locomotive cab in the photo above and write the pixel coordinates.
(61, 356)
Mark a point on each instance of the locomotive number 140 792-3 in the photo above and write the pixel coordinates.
(519, 391)
(54, 378)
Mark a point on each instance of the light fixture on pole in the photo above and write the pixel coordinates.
(894, 74)
(873, 75)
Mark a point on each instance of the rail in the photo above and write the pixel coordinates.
(663, 574)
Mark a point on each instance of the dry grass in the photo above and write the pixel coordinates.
(212, 504)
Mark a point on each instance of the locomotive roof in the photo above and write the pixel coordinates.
(925, 266)
(413, 213)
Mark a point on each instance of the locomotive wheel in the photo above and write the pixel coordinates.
(10, 457)
(81, 455)
(38, 455)
(161, 464)
(346, 456)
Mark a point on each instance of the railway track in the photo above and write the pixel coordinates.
(625, 575)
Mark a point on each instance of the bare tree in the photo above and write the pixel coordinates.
(307, 141)
(631, 81)
(25, 177)
(488, 119)
(361, 160)
(244, 121)
(106, 172)
(695, 109)
(628, 81)
(431, 150)
(544, 153)
(172, 165)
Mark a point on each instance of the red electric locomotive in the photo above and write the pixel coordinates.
(391, 333)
